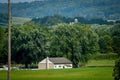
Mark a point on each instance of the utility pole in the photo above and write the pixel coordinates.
(9, 40)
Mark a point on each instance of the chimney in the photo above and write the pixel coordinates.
(47, 63)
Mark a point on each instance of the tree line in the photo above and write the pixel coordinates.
(57, 19)
(32, 42)
(53, 20)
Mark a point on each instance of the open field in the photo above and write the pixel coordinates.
(20, 20)
(89, 73)
(99, 63)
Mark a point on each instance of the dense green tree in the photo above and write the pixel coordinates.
(3, 46)
(3, 19)
(105, 39)
(65, 43)
(116, 38)
(1, 38)
(31, 42)
(74, 42)
(28, 43)
(116, 46)
(105, 43)
(116, 73)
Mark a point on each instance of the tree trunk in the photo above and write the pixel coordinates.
(26, 65)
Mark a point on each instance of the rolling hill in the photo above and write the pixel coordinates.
(20, 20)
(106, 9)
(15, 20)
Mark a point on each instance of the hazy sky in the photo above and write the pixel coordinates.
(5, 1)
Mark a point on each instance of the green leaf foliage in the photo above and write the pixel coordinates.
(32, 43)
(116, 46)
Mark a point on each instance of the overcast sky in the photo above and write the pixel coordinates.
(5, 1)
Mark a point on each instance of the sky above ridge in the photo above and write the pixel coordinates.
(16, 1)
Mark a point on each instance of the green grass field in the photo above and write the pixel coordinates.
(20, 20)
(99, 63)
(89, 73)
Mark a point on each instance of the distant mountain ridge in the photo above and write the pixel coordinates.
(106, 9)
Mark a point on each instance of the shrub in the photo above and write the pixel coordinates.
(116, 73)
(99, 56)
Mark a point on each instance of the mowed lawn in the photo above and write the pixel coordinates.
(88, 73)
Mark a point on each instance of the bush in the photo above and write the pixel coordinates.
(99, 56)
(116, 73)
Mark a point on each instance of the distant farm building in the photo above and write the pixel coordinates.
(111, 21)
(55, 63)
(75, 21)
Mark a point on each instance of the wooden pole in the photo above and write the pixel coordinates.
(9, 40)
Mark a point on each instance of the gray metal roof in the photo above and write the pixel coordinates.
(60, 60)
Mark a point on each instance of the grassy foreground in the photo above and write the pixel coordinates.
(91, 73)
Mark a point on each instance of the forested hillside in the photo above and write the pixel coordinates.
(53, 20)
(56, 19)
(3, 19)
(106, 9)
(14, 20)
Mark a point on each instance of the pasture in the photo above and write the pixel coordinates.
(84, 73)
(101, 63)
(20, 20)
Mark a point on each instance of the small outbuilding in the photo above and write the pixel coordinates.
(55, 63)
